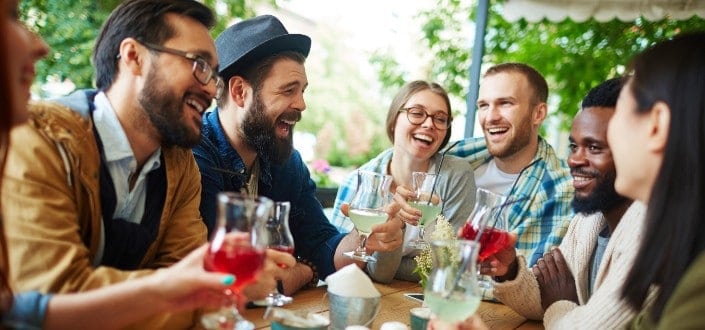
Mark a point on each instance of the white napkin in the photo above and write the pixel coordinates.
(351, 281)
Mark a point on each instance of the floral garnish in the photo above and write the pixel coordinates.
(424, 262)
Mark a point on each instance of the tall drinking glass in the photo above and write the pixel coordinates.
(280, 239)
(367, 208)
(427, 201)
(237, 247)
(451, 291)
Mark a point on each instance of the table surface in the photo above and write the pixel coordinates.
(394, 306)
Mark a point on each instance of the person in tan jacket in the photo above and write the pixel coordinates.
(101, 186)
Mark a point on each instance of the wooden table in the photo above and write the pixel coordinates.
(394, 306)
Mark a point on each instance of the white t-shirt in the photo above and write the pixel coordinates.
(489, 176)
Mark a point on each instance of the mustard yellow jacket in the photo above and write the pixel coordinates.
(52, 213)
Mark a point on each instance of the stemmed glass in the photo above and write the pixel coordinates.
(488, 226)
(280, 239)
(451, 291)
(237, 247)
(427, 201)
(367, 208)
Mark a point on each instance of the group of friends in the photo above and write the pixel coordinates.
(108, 195)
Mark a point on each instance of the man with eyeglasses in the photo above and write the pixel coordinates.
(247, 145)
(513, 160)
(109, 188)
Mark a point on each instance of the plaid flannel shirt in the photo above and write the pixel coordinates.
(541, 220)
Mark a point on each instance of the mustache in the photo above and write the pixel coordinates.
(290, 116)
(584, 172)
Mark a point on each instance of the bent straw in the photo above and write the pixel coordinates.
(438, 170)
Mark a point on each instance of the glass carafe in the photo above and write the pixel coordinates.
(452, 292)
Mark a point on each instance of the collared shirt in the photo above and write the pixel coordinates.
(546, 188)
(222, 169)
(121, 162)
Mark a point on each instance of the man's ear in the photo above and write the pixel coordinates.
(539, 114)
(132, 55)
(659, 125)
(238, 89)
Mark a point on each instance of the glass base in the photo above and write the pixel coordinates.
(364, 257)
(225, 320)
(278, 300)
(418, 244)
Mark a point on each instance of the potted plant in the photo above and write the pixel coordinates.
(326, 188)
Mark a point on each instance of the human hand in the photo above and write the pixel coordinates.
(473, 322)
(404, 211)
(186, 285)
(555, 279)
(504, 262)
(385, 237)
(275, 265)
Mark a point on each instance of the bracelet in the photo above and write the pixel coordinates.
(314, 280)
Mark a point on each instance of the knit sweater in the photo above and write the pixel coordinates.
(605, 308)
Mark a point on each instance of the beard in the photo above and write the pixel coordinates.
(165, 111)
(261, 135)
(521, 139)
(604, 197)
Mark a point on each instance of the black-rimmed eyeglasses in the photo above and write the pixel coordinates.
(201, 70)
(417, 116)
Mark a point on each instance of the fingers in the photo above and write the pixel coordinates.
(344, 208)
(283, 260)
(385, 237)
(561, 265)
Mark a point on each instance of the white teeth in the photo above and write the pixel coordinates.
(496, 130)
(289, 122)
(196, 105)
(424, 137)
(581, 178)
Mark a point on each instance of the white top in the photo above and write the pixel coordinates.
(489, 176)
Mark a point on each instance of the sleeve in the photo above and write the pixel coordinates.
(458, 191)
(46, 218)
(28, 311)
(184, 230)
(386, 267)
(211, 183)
(345, 194)
(315, 238)
(685, 309)
(522, 294)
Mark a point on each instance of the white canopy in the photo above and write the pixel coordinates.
(601, 10)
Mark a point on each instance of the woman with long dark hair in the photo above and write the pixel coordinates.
(657, 136)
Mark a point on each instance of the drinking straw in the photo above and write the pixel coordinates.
(438, 170)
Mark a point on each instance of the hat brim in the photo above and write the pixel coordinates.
(289, 42)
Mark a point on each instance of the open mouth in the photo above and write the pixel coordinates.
(581, 181)
(284, 127)
(194, 104)
(423, 139)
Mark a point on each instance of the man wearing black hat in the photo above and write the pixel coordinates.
(247, 144)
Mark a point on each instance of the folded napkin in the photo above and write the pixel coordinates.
(351, 281)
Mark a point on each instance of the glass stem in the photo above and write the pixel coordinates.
(363, 241)
(421, 231)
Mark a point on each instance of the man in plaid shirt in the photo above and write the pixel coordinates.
(515, 161)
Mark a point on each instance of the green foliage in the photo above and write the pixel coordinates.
(572, 56)
(70, 27)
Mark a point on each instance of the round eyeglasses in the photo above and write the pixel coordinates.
(418, 115)
(201, 70)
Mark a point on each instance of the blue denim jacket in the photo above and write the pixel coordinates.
(222, 170)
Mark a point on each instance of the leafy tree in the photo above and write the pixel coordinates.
(70, 27)
(573, 56)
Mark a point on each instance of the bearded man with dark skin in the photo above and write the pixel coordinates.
(247, 146)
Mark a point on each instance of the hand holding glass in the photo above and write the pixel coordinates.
(427, 201)
(237, 247)
(367, 208)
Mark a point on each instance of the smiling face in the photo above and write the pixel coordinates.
(173, 99)
(26, 49)
(508, 114)
(636, 165)
(276, 108)
(591, 163)
(420, 141)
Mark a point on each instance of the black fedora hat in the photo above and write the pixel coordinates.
(253, 39)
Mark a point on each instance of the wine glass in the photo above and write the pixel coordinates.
(427, 201)
(451, 291)
(280, 239)
(488, 226)
(237, 247)
(367, 208)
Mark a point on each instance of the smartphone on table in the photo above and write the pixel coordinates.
(415, 296)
